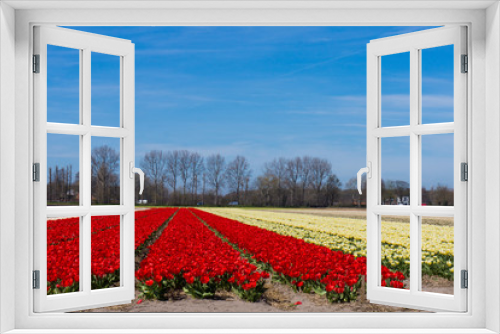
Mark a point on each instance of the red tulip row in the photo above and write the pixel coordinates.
(63, 255)
(293, 261)
(188, 255)
(65, 229)
(155, 218)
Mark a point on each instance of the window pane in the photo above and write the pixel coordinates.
(105, 171)
(105, 90)
(63, 255)
(437, 254)
(395, 251)
(63, 85)
(437, 169)
(395, 171)
(437, 84)
(105, 252)
(63, 169)
(395, 95)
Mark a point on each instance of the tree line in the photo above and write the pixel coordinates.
(186, 178)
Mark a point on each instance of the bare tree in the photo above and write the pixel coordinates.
(197, 169)
(216, 166)
(49, 186)
(293, 174)
(204, 182)
(154, 165)
(105, 163)
(306, 172)
(277, 170)
(184, 169)
(238, 171)
(173, 171)
(265, 185)
(320, 169)
(333, 185)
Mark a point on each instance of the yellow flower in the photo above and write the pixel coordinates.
(349, 234)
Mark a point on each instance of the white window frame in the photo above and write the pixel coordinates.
(86, 44)
(414, 43)
(483, 21)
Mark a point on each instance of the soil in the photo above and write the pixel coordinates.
(356, 213)
(277, 298)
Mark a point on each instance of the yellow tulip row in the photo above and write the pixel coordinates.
(349, 235)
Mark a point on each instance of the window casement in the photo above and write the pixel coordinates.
(86, 45)
(413, 133)
(474, 319)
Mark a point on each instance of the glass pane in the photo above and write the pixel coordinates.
(105, 252)
(105, 90)
(63, 255)
(395, 171)
(395, 251)
(105, 171)
(437, 84)
(437, 254)
(63, 169)
(437, 169)
(63, 85)
(395, 94)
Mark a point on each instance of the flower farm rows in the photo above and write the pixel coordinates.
(349, 236)
(63, 248)
(302, 265)
(203, 256)
(190, 256)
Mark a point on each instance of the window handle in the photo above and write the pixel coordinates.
(134, 170)
(368, 171)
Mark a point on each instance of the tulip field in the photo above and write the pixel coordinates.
(63, 248)
(204, 252)
(349, 236)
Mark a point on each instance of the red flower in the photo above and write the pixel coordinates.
(139, 301)
(149, 282)
(298, 303)
(158, 278)
(299, 284)
(205, 279)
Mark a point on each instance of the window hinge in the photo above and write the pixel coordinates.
(36, 279)
(36, 63)
(464, 171)
(465, 64)
(465, 279)
(36, 172)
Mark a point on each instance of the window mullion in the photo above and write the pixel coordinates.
(86, 174)
(415, 271)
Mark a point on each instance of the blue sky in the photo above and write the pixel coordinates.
(261, 92)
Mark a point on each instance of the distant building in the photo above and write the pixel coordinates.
(404, 200)
(142, 201)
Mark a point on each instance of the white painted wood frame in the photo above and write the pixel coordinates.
(86, 43)
(414, 43)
